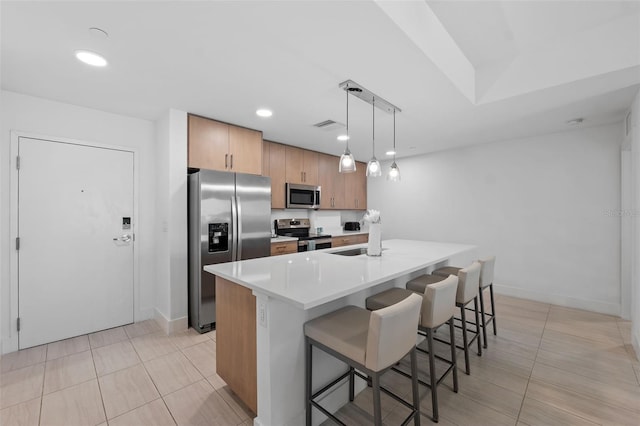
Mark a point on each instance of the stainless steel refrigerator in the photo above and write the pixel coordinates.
(229, 220)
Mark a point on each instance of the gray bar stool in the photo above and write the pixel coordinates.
(371, 342)
(468, 279)
(486, 281)
(438, 308)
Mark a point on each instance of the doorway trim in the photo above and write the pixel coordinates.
(10, 342)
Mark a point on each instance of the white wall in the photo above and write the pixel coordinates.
(635, 225)
(171, 207)
(36, 115)
(541, 205)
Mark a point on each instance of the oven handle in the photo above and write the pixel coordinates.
(303, 243)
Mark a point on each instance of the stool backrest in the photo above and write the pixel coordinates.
(392, 333)
(439, 302)
(469, 281)
(486, 275)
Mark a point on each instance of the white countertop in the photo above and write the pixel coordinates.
(310, 279)
(342, 233)
(339, 233)
(281, 239)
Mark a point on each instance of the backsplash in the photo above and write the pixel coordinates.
(329, 220)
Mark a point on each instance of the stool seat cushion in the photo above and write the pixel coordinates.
(418, 284)
(345, 331)
(387, 298)
(446, 271)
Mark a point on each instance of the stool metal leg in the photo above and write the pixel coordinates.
(484, 319)
(308, 376)
(453, 354)
(493, 309)
(414, 386)
(377, 408)
(475, 308)
(465, 341)
(432, 376)
(351, 384)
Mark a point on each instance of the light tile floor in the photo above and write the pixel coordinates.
(127, 376)
(548, 365)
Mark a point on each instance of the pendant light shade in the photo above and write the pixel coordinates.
(394, 171)
(373, 167)
(347, 163)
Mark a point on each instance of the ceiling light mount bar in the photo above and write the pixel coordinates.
(366, 95)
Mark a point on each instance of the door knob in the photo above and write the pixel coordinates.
(124, 238)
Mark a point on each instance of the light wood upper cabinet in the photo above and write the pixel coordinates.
(274, 166)
(208, 143)
(301, 166)
(220, 146)
(331, 181)
(245, 150)
(355, 188)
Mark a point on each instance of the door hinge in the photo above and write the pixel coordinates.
(18, 324)
(17, 243)
(17, 162)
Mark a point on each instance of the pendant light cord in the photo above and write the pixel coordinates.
(347, 92)
(373, 130)
(394, 135)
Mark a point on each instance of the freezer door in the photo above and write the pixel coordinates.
(211, 239)
(253, 201)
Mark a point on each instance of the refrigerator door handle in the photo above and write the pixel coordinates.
(239, 228)
(234, 227)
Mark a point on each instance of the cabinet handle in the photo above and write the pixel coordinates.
(231, 167)
(226, 162)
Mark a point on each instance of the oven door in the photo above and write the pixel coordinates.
(302, 196)
(307, 245)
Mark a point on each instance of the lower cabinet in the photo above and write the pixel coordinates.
(236, 359)
(284, 248)
(347, 240)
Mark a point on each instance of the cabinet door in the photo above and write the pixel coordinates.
(310, 167)
(208, 144)
(277, 173)
(331, 181)
(245, 150)
(266, 164)
(355, 188)
(294, 164)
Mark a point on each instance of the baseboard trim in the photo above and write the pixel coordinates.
(560, 300)
(635, 342)
(171, 326)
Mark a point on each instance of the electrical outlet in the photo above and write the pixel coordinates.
(262, 314)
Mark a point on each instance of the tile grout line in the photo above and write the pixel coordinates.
(524, 396)
(44, 373)
(95, 370)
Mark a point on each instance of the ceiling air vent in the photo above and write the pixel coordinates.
(328, 125)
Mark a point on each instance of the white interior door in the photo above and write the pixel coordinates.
(75, 262)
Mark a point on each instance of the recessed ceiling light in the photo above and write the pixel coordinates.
(91, 58)
(391, 152)
(264, 113)
(343, 138)
(575, 121)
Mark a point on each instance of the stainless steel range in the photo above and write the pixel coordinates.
(299, 228)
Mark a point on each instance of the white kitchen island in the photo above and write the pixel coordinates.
(292, 289)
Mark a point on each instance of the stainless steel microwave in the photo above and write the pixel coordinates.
(302, 196)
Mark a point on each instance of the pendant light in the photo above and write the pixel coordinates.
(373, 167)
(394, 171)
(347, 163)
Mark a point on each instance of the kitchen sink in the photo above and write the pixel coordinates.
(352, 252)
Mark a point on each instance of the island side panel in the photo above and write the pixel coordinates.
(236, 340)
